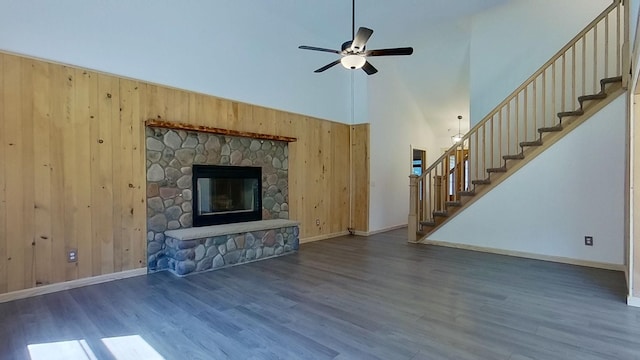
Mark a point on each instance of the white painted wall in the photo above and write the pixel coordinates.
(573, 189)
(510, 42)
(237, 49)
(409, 100)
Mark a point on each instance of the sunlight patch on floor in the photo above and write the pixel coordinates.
(61, 350)
(132, 347)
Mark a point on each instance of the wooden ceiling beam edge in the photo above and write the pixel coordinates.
(213, 130)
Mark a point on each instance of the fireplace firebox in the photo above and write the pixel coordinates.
(226, 194)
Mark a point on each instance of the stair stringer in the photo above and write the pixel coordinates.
(572, 189)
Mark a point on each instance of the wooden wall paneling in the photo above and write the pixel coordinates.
(59, 92)
(264, 120)
(86, 114)
(339, 189)
(27, 113)
(3, 188)
(14, 165)
(130, 95)
(42, 112)
(325, 156)
(156, 99)
(119, 107)
(194, 103)
(243, 120)
(302, 182)
(315, 177)
(233, 114)
(295, 171)
(218, 113)
(102, 174)
(177, 106)
(129, 101)
(70, 174)
(282, 124)
(138, 246)
(28, 160)
(360, 177)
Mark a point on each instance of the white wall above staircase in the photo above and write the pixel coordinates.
(510, 42)
(573, 189)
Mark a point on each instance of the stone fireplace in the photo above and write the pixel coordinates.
(179, 161)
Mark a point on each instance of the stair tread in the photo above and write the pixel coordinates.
(611, 80)
(453, 203)
(428, 223)
(443, 213)
(570, 113)
(481, 182)
(598, 96)
(466, 193)
(514, 157)
(497, 170)
(550, 129)
(531, 143)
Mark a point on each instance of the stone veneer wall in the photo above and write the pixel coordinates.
(170, 155)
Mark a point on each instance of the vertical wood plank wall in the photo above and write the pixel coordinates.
(72, 167)
(360, 178)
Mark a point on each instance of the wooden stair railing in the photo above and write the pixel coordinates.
(556, 94)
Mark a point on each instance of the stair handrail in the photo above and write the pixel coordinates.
(529, 80)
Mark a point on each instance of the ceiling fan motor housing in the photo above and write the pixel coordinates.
(346, 48)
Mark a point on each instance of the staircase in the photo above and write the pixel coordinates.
(578, 81)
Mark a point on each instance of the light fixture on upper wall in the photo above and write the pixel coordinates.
(458, 137)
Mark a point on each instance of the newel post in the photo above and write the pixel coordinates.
(413, 208)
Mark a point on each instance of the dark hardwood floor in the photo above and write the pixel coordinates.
(347, 298)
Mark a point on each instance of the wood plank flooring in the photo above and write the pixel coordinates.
(347, 298)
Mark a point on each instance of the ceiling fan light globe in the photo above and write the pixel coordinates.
(353, 61)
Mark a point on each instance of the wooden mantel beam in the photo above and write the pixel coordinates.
(212, 130)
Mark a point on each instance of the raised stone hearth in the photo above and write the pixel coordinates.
(218, 246)
(170, 154)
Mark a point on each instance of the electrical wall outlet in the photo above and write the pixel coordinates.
(588, 240)
(72, 255)
(317, 222)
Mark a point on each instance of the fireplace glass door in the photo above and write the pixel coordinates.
(219, 196)
(226, 194)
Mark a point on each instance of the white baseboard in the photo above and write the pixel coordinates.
(323, 237)
(633, 301)
(47, 289)
(369, 233)
(558, 259)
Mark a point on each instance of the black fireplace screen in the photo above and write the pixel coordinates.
(226, 194)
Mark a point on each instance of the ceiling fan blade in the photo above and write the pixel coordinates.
(330, 65)
(369, 69)
(304, 47)
(361, 38)
(388, 52)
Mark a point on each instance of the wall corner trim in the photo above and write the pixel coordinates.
(633, 301)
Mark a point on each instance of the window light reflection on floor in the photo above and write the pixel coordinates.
(132, 347)
(61, 350)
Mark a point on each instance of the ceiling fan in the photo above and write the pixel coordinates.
(353, 53)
